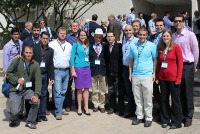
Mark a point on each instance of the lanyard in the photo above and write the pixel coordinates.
(43, 53)
(61, 45)
(34, 41)
(127, 45)
(165, 54)
(86, 51)
(140, 51)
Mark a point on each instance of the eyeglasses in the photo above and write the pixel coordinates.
(178, 21)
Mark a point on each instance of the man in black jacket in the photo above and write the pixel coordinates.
(43, 54)
(114, 74)
(97, 55)
(26, 32)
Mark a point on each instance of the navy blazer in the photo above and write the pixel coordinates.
(98, 69)
(24, 34)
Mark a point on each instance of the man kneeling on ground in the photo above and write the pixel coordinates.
(25, 78)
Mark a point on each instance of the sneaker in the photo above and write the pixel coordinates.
(58, 117)
(164, 125)
(44, 118)
(136, 121)
(12, 124)
(67, 109)
(65, 113)
(31, 125)
(102, 110)
(95, 109)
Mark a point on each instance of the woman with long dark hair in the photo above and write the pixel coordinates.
(169, 74)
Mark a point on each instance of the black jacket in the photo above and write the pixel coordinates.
(114, 65)
(98, 69)
(24, 34)
(47, 55)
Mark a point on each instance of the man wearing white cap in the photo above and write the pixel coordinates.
(97, 56)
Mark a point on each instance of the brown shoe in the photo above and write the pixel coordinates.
(58, 117)
(47, 112)
(65, 113)
(67, 109)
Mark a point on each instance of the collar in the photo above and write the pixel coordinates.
(183, 32)
(96, 44)
(27, 30)
(72, 34)
(130, 39)
(42, 46)
(13, 43)
(112, 44)
(32, 60)
(60, 42)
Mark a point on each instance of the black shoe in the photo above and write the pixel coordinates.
(79, 114)
(44, 118)
(38, 119)
(21, 116)
(164, 125)
(84, 111)
(136, 121)
(128, 115)
(102, 110)
(111, 111)
(95, 109)
(12, 124)
(147, 123)
(187, 124)
(173, 127)
(121, 114)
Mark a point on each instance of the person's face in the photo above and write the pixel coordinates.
(74, 27)
(186, 15)
(103, 23)
(15, 36)
(82, 36)
(42, 23)
(109, 18)
(28, 53)
(141, 15)
(98, 38)
(36, 32)
(166, 38)
(178, 22)
(62, 35)
(136, 27)
(124, 18)
(142, 36)
(44, 39)
(159, 26)
(29, 27)
(128, 31)
(110, 38)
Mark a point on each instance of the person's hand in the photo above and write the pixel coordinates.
(74, 74)
(34, 99)
(130, 78)
(51, 82)
(18, 56)
(177, 83)
(20, 81)
(157, 81)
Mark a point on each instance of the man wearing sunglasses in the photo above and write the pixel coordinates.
(189, 44)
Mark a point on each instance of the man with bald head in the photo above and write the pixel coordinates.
(103, 25)
(114, 27)
(127, 42)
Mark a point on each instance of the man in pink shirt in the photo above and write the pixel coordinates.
(188, 42)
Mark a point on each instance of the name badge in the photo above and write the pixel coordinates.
(42, 64)
(28, 84)
(97, 62)
(86, 59)
(164, 65)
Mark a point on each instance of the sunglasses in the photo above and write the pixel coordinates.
(178, 21)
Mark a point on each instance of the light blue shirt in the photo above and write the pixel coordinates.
(78, 55)
(142, 21)
(126, 48)
(151, 24)
(130, 18)
(168, 23)
(143, 55)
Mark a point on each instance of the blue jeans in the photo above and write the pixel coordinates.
(60, 88)
(43, 97)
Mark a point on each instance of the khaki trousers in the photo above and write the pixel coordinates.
(142, 87)
(98, 91)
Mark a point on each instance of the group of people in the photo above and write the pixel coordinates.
(143, 65)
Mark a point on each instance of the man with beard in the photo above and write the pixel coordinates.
(61, 57)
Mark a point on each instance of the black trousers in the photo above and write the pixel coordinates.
(115, 84)
(129, 92)
(174, 113)
(187, 87)
(156, 93)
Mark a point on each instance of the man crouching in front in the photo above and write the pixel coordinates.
(25, 78)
